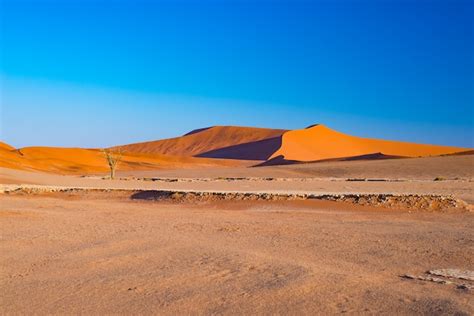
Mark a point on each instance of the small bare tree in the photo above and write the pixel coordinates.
(113, 159)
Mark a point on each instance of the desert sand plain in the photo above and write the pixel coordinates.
(185, 231)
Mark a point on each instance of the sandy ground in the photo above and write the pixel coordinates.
(400, 176)
(448, 167)
(104, 253)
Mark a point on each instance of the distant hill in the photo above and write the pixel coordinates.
(319, 142)
(277, 146)
(201, 141)
(223, 146)
(88, 161)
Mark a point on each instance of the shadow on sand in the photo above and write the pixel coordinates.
(151, 195)
(258, 150)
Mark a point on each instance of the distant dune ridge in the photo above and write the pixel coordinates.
(319, 142)
(87, 161)
(314, 143)
(204, 140)
(223, 146)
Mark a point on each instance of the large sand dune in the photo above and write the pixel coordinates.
(226, 146)
(86, 161)
(319, 143)
(276, 147)
(204, 140)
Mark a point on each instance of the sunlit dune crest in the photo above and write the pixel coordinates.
(320, 142)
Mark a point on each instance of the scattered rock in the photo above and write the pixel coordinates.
(401, 202)
(446, 276)
(426, 278)
(454, 273)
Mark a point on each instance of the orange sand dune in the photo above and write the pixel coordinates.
(9, 157)
(6, 146)
(84, 161)
(319, 142)
(220, 146)
(204, 140)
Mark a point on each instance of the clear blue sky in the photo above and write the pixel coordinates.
(99, 73)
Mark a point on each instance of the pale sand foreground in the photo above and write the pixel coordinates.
(104, 253)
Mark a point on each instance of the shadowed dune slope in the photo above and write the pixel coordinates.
(463, 153)
(319, 142)
(204, 140)
(259, 150)
(86, 161)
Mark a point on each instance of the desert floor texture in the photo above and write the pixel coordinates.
(109, 251)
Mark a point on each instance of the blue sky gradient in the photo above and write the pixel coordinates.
(99, 73)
